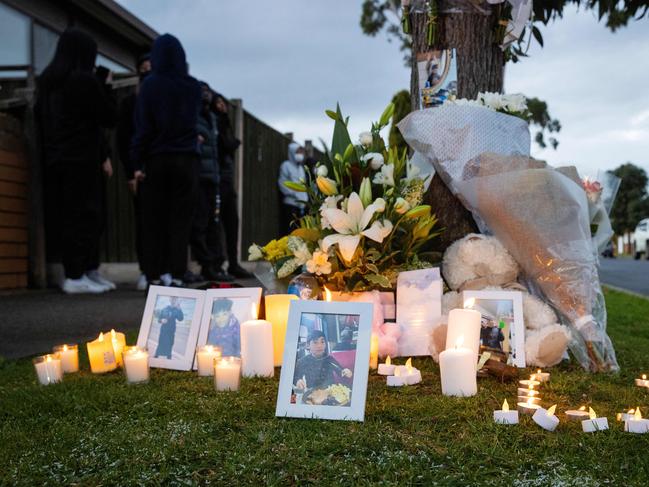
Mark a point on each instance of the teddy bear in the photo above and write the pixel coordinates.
(480, 262)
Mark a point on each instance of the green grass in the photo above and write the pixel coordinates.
(177, 430)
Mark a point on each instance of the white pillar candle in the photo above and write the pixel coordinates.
(530, 399)
(636, 424)
(577, 414)
(546, 419)
(540, 376)
(642, 382)
(527, 407)
(505, 416)
(594, 423)
(48, 369)
(387, 368)
(136, 364)
(227, 371)
(205, 356)
(69, 355)
(457, 368)
(257, 348)
(527, 383)
(464, 323)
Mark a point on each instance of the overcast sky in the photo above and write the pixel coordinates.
(289, 60)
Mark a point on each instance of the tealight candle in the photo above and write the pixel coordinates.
(505, 416)
(413, 375)
(374, 352)
(642, 382)
(101, 355)
(257, 348)
(529, 382)
(527, 392)
(69, 355)
(227, 373)
(205, 356)
(540, 376)
(530, 399)
(546, 419)
(48, 369)
(636, 424)
(594, 423)
(528, 407)
(577, 414)
(396, 380)
(625, 416)
(387, 368)
(457, 368)
(136, 364)
(118, 340)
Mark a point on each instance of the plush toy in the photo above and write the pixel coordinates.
(480, 262)
(388, 333)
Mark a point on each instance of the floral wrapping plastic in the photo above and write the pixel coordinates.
(540, 214)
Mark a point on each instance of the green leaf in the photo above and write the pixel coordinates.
(295, 186)
(332, 115)
(348, 152)
(537, 35)
(386, 115)
(341, 138)
(378, 280)
(373, 268)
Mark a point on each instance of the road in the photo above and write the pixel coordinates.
(629, 274)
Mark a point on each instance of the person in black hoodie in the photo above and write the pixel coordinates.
(72, 107)
(165, 152)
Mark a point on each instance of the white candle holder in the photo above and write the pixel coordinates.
(48, 369)
(540, 376)
(527, 408)
(69, 355)
(577, 414)
(529, 382)
(638, 426)
(227, 373)
(387, 368)
(595, 424)
(205, 357)
(530, 399)
(527, 392)
(546, 419)
(136, 364)
(643, 381)
(505, 416)
(625, 416)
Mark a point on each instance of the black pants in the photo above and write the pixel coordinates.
(168, 201)
(137, 210)
(229, 224)
(205, 230)
(287, 214)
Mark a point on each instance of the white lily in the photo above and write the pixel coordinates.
(329, 203)
(385, 176)
(352, 224)
(412, 172)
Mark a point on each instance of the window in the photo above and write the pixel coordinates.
(44, 46)
(14, 40)
(112, 65)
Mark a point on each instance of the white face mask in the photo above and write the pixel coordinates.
(299, 158)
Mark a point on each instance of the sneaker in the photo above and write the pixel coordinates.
(142, 283)
(238, 271)
(177, 283)
(166, 279)
(216, 274)
(82, 285)
(192, 278)
(97, 278)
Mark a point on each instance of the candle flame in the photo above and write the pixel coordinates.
(409, 363)
(631, 411)
(397, 372)
(551, 410)
(531, 387)
(209, 348)
(388, 361)
(644, 376)
(591, 413)
(583, 408)
(538, 371)
(327, 294)
(469, 303)
(459, 342)
(101, 337)
(49, 358)
(637, 415)
(505, 405)
(532, 393)
(112, 333)
(253, 311)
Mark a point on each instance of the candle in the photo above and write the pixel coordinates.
(540, 376)
(636, 424)
(118, 341)
(277, 306)
(413, 375)
(577, 414)
(101, 355)
(136, 364)
(625, 416)
(464, 323)
(527, 392)
(387, 368)
(205, 359)
(505, 416)
(69, 355)
(374, 352)
(594, 423)
(48, 369)
(546, 419)
(257, 348)
(528, 383)
(396, 380)
(227, 371)
(530, 399)
(458, 370)
(642, 382)
(528, 407)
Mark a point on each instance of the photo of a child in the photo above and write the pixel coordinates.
(170, 326)
(224, 328)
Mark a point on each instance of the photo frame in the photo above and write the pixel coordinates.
(503, 325)
(223, 312)
(326, 361)
(437, 77)
(170, 326)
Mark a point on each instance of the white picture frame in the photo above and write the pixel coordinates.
(292, 397)
(241, 301)
(506, 307)
(178, 347)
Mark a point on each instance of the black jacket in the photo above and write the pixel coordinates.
(209, 149)
(228, 144)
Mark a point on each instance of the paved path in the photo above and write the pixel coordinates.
(629, 274)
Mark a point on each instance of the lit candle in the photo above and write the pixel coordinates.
(594, 423)
(227, 371)
(625, 416)
(636, 424)
(374, 352)
(528, 407)
(101, 355)
(277, 306)
(69, 355)
(396, 380)
(505, 416)
(413, 375)
(642, 382)
(136, 364)
(257, 348)
(205, 359)
(546, 419)
(527, 392)
(118, 341)
(528, 383)
(48, 369)
(464, 323)
(577, 414)
(531, 399)
(540, 376)
(457, 368)
(387, 368)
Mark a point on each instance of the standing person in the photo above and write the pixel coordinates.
(124, 135)
(72, 107)
(293, 202)
(228, 212)
(165, 151)
(167, 318)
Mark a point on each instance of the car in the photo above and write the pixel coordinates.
(640, 239)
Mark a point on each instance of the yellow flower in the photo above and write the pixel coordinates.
(326, 186)
(319, 263)
(276, 249)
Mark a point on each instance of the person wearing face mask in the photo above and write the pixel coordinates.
(124, 135)
(293, 202)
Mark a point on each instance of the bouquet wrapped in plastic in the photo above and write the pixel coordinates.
(540, 214)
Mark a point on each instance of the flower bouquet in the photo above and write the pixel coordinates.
(364, 221)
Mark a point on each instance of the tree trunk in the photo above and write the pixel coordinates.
(480, 67)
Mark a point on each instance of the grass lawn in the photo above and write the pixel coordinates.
(177, 430)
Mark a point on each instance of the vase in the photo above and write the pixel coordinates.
(305, 286)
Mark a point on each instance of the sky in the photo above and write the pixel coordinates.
(289, 60)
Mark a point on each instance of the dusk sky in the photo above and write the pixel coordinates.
(289, 60)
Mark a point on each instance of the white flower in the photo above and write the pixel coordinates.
(412, 172)
(299, 249)
(322, 171)
(319, 263)
(351, 225)
(365, 139)
(328, 203)
(386, 176)
(376, 160)
(515, 102)
(401, 206)
(254, 252)
(492, 100)
(380, 205)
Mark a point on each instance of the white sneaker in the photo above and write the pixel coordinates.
(166, 279)
(81, 286)
(142, 283)
(97, 278)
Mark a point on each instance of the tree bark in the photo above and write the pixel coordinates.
(480, 67)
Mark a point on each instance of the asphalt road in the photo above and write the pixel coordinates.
(629, 274)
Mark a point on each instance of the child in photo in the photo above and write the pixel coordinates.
(318, 369)
(224, 328)
(167, 319)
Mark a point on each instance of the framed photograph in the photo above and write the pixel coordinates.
(503, 327)
(326, 361)
(223, 312)
(437, 76)
(170, 325)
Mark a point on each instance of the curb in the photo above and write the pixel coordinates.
(625, 291)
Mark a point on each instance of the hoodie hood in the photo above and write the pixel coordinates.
(292, 149)
(168, 56)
